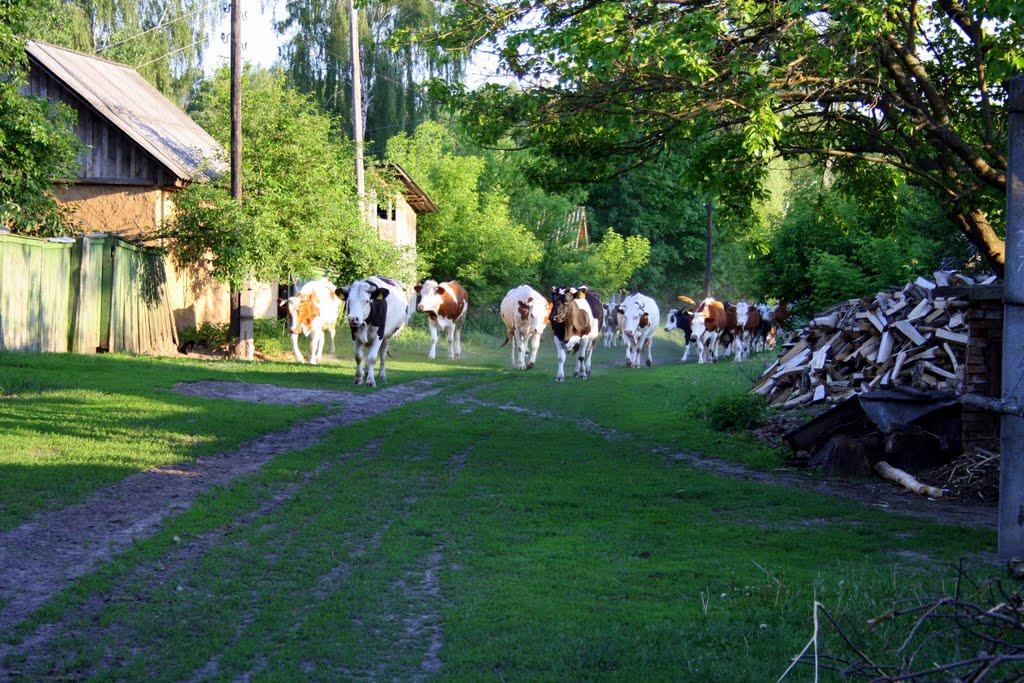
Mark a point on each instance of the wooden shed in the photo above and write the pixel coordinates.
(396, 216)
(139, 149)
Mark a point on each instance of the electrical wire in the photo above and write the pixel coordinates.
(168, 54)
(159, 26)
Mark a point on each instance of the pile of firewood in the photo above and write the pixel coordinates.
(905, 337)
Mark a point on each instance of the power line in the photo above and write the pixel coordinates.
(158, 26)
(168, 54)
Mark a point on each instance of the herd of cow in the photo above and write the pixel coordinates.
(377, 308)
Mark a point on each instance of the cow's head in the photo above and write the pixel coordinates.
(742, 313)
(560, 297)
(302, 311)
(358, 298)
(535, 313)
(633, 317)
(678, 319)
(431, 296)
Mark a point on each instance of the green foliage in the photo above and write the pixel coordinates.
(299, 210)
(169, 57)
(607, 265)
(210, 335)
(37, 145)
(737, 412)
(830, 246)
(316, 58)
(906, 92)
(473, 238)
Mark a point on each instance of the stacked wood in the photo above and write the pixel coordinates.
(901, 337)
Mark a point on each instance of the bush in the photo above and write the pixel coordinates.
(739, 411)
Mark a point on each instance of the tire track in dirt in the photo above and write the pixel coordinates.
(45, 555)
(878, 495)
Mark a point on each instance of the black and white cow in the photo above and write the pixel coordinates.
(680, 319)
(576, 320)
(377, 309)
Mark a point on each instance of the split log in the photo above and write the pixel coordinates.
(950, 336)
(906, 480)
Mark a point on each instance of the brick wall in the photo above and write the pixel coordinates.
(983, 374)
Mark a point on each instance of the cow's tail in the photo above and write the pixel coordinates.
(410, 309)
(508, 337)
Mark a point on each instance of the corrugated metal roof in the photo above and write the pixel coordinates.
(134, 106)
(419, 200)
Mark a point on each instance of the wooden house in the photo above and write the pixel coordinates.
(140, 148)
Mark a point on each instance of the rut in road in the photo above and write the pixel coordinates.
(46, 554)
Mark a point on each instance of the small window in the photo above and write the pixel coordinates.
(382, 212)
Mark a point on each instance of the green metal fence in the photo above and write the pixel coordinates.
(92, 293)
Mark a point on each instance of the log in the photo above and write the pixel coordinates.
(910, 332)
(884, 348)
(906, 480)
(947, 335)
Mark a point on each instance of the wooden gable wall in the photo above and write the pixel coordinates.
(111, 157)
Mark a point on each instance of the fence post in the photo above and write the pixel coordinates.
(1011, 475)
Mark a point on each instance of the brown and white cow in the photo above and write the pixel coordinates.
(715, 323)
(748, 322)
(446, 305)
(576, 320)
(313, 311)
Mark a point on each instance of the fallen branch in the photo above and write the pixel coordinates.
(906, 480)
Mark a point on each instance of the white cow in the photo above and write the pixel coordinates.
(313, 311)
(525, 314)
(638, 317)
(377, 309)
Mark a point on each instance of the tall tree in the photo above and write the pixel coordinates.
(316, 58)
(162, 39)
(885, 88)
(37, 145)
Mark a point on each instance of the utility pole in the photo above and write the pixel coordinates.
(357, 104)
(709, 229)
(241, 302)
(1011, 470)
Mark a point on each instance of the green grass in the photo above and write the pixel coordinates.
(557, 554)
(565, 559)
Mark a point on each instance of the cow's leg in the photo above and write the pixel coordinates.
(737, 344)
(686, 351)
(452, 336)
(458, 340)
(512, 338)
(316, 346)
(382, 376)
(295, 348)
(359, 361)
(649, 344)
(560, 352)
(332, 331)
(588, 354)
(520, 339)
(433, 341)
(534, 341)
(371, 359)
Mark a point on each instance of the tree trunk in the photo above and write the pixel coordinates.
(709, 229)
(974, 224)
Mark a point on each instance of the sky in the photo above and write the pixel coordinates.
(259, 39)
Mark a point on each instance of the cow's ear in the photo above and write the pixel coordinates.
(380, 294)
(342, 293)
(417, 288)
(529, 300)
(622, 310)
(440, 291)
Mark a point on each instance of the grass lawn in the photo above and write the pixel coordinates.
(560, 559)
(454, 540)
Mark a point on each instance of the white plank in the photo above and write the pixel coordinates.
(947, 335)
(910, 332)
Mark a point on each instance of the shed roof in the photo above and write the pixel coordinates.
(419, 200)
(126, 99)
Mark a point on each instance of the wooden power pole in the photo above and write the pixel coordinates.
(1011, 470)
(241, 302)
(357, 103)
(709, 237)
